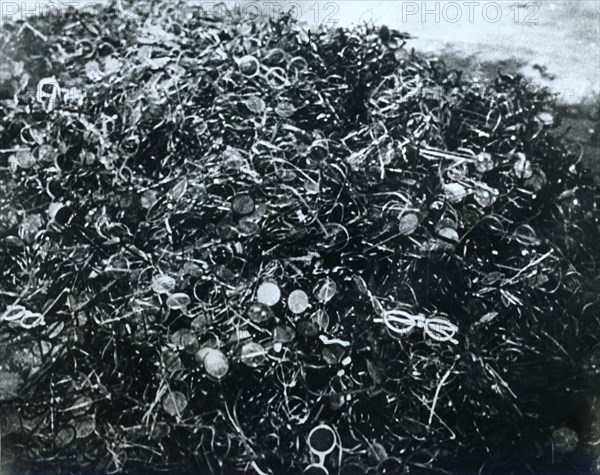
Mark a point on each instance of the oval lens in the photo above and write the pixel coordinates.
(253, 355)
(163, 284)
(326, 290)
(216, 363)
(243, 204)
(174, 403)
(248, 65)
(268, 293)
(298, 301)
(322, 439)
(408, 224)
(315, 469)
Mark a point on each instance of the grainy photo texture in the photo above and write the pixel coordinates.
(299, 237)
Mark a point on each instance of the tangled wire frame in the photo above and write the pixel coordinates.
(222, 235)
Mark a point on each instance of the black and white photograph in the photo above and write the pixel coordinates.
(311, 237)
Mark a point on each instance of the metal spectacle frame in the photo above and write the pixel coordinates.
(319, 467)
(297, 65)
(275, 56)
(85, 49)
(72, 48)
(286, 375)
(22, 317)
(399, 322)
(250, 67)
(294, 407)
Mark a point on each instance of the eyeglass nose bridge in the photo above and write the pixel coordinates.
(314, 467)
(31, 320)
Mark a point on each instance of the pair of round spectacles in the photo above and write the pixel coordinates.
(251, 67)
(24, 318)
(399, 322)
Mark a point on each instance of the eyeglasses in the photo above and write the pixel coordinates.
(251, 67)
(24, 318)
(322, 440)
(399, 322)
(286, 374)
(85, 49)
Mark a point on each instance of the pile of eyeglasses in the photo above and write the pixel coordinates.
(247, 247)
